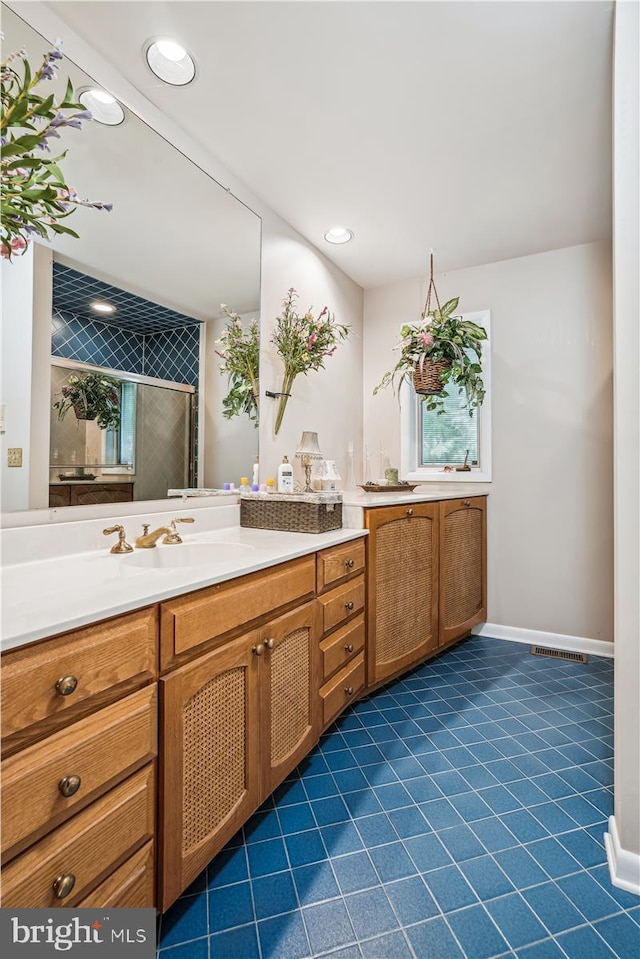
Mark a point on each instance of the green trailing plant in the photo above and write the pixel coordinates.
(92, 396)
(303, 342)
(240, 352)
(35, 196)
(441, 336)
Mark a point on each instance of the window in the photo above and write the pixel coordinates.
(430, 441)
(119, 446)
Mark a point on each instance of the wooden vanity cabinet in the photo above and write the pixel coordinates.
(402, 587)
(79, 741)
(426, 580)
(463, 567)
(197, 621)
(341, 598)
(237, 718)
(89, 494)
(209, 782)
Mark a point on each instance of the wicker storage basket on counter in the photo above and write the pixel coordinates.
(292, 512)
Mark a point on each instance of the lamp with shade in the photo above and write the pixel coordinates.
(307, 451)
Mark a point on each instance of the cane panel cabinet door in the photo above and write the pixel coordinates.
(463, 566)
(210, 775)
(402, 587)
(289, 684)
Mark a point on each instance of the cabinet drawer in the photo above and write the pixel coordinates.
(95, 665)
(188, 621)
(132, 886)
(99, 749)
(340, 691)
(341, 646)
(341, 603)
(339, 563)
(87, 848)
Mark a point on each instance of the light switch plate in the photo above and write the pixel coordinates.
(14, 456)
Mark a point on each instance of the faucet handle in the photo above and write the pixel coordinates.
(121, 546)
(145, 528)
(174, 536)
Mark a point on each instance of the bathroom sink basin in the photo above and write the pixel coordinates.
(185, 555)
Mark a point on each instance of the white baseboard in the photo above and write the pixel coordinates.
(624, 866)
(536, 637)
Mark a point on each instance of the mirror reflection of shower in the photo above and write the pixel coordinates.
(151, 451)
(153, 352)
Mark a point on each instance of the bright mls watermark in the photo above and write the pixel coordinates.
(79, 933)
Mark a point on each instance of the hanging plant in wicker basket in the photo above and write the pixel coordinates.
(91, 396)
(440, 349)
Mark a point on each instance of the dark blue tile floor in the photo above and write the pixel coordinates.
(457, 813)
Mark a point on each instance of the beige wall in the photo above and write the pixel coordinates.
(328, 401)
(551, 507)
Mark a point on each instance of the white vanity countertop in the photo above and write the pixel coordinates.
(49, 596)
(427, 492)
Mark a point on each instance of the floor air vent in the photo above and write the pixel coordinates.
(559, 654)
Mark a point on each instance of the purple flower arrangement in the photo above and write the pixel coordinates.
(35, 196)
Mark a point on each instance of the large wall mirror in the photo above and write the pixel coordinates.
(176, 246)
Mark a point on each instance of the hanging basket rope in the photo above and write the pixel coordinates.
(431, 289)
(427, 375)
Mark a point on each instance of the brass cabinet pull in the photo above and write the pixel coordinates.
(62, 885)
(466, 503)
(349, 690)
(410, 512)
(269, 643)
(66, 685)
(69, 785)
(258, 650)
(349, 563)
(349, 605)
(348, 648)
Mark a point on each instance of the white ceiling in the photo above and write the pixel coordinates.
(482, 130)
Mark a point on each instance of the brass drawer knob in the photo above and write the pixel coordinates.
(62, 885)
(69, 785)
(410, 512)
(349, 563)
(348, 648)
(258, 650)
(349, 605)
(66, 685)
(269, 643)
(466, 504)
(349, 690)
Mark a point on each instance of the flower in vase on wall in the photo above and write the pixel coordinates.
(240, 353)
(303, 341)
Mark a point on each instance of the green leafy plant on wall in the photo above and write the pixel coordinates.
(303, 341)
(240, 352)
(92, 396)
(35, 196)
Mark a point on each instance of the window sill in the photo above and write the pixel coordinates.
(439, 476)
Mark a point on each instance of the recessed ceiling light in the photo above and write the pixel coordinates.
(338, 234)
(170, 62)
(100, 306)
(103, 107)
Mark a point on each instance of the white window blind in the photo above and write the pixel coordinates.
(446, 437)
(127, 423)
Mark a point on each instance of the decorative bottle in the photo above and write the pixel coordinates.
(285, 476)
(331, 477)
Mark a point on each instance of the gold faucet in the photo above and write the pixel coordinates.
(171, 536)
(121, 546)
